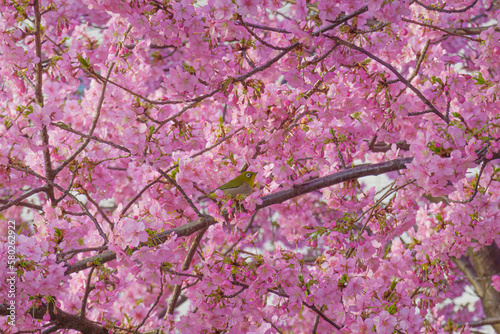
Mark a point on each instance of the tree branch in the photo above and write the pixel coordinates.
(185, 266)
(96, 116)
(27, 194)
(464, 265)
(441, 10)
(66, 128)
(61, 319)
(107, 256)
(484, 322)
(393, 70)
(88, 289)
(445, 30)
(183, 193)
(49, 173)
(53, 184)
(243, 23)
(329, 180)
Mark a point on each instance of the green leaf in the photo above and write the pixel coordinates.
(83, 62)
(189, 69)
(480, 79)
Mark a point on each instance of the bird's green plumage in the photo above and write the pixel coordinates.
(241, 185)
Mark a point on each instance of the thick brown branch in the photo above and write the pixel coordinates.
(464, 265)
(485, 322)
(61, 319)
(329, 180)
(181, 231)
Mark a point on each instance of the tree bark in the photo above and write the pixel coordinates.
(486, 263)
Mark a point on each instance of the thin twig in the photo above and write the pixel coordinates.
(152, 307)
(447, 31)
(435, 9)
(485, 162)
(62, 256)
(101, 211)
(49, 173)
(84, 208)
(243, 23)
(234, 294)
(393, 70)
(68, 188)
(418, 113)
(253, 25)
(139, 194)
(322, 315)
(23, 196)
(185, 266)
(96, 116)
(273, 326)
(249, 61)
(173, 272)
(24, 204)
(184, 195)
(88, 288)
(107, 142)
(311, 307)
(484, 322)
(252, 218)
(419, 61)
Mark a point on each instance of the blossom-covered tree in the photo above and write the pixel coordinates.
(116, 116)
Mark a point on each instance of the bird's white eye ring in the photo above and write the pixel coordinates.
(248, 174)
